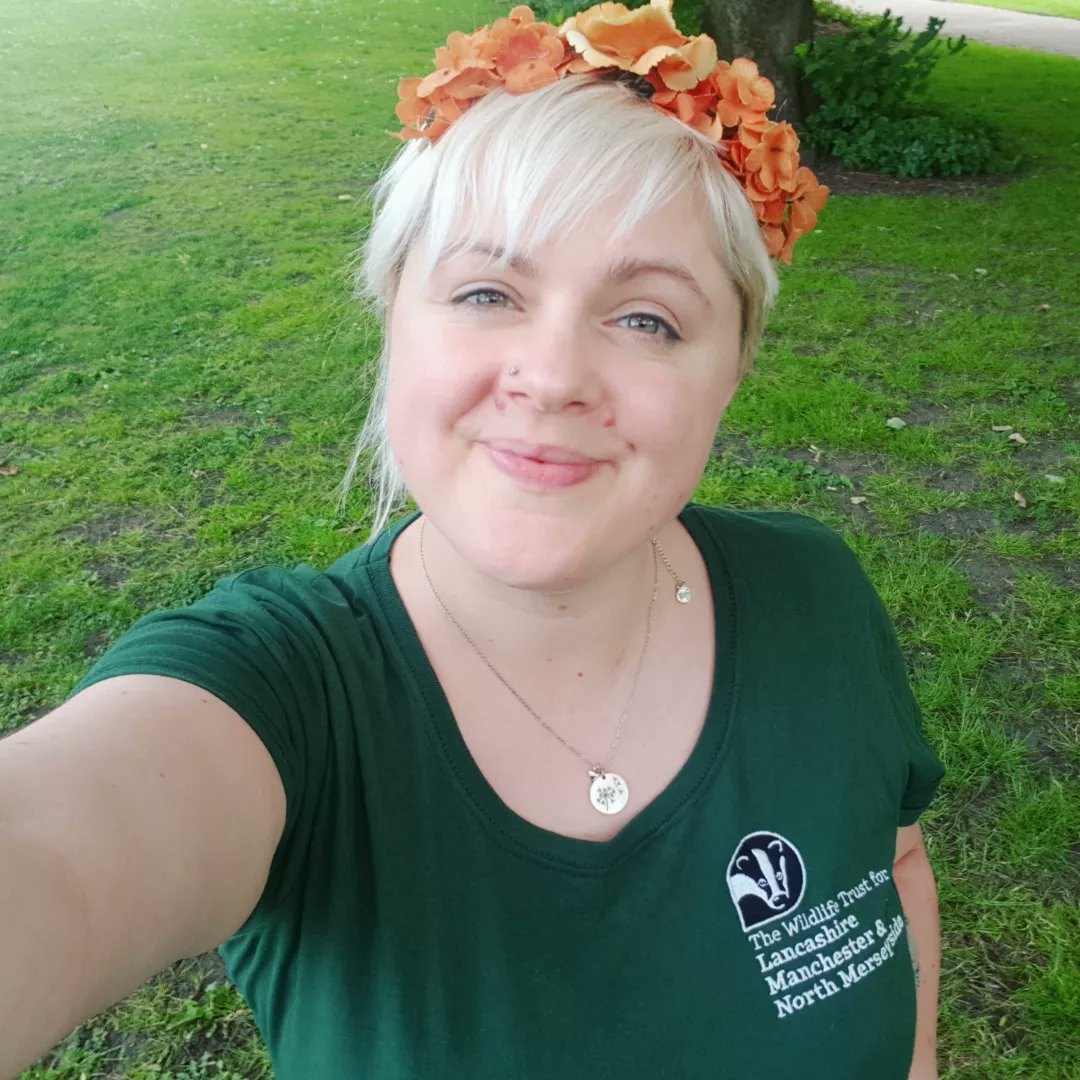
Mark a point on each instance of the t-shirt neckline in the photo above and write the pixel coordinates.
(533, 841)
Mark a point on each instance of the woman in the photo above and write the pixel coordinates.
(561, 777)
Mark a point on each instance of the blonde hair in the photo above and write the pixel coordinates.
(533, 166)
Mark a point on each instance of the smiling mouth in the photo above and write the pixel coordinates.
(541, 466)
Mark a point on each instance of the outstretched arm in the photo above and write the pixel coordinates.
(914, 880)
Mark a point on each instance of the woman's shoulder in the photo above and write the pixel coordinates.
(765, 533)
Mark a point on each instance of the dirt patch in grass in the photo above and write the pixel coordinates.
(1044, 734)
(216, 415)
(1065, 573)
(856, 466)
(953, 478)
(958, 524)
(95, 644)
(106, 528)
(1049, 455)
(927, 413)
(112, 573)
(844, 181)
(992, 580)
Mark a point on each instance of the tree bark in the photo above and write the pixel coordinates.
(767, 31)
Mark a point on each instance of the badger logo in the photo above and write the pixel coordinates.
(767, 878)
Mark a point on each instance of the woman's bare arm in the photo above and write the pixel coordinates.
(137, 826)
(918, 896)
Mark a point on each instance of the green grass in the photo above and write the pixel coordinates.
(182, 373)
(1069, 9)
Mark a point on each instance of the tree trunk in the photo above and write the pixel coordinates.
(767, 31)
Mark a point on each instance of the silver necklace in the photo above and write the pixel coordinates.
(608, 791)
(683, 593)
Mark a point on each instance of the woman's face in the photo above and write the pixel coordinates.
(543, 478)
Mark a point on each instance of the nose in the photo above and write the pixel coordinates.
(555, 370)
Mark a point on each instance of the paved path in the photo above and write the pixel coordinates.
(1043, 33)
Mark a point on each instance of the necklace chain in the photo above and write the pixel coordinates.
(594, 768)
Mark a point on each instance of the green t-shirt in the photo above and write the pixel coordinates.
(745, 923)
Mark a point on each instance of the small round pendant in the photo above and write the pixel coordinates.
(609, 793)
(683, 593)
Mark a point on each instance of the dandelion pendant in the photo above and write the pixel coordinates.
(609, 793)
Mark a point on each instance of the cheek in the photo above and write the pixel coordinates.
(675, 415)
(434, 383)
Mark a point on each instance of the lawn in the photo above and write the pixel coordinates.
(1069, 9)
(182, 372)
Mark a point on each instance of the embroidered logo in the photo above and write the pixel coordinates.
(767, 878)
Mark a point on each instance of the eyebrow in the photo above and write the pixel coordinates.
(618, 273)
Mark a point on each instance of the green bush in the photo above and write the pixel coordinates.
(925, 145)
(869, 87)
(825, 11)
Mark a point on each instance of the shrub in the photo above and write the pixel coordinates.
(925, 145)
(869, 87)
(825, 11)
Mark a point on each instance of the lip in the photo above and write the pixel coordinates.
(541, 465)
(548, 453)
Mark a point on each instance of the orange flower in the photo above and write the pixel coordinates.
(685, 67)
(693, 107)
(808, 198)
(728, 102)
(464, 51)
(775, 241)
(424, 118)
(527, 54)
(611, 35)
(745, 94)
(775, 158)
(411, 109)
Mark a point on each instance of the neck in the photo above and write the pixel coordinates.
(576, 641)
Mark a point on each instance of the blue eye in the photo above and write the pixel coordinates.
(665, 329)
(468, 297)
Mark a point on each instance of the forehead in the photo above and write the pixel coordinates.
(677, 241)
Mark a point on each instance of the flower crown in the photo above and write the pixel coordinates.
(681, 76)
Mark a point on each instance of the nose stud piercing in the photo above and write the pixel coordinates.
(514, 370)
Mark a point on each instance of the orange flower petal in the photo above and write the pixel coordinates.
(531, 76)
(611, 35)
(686, 67)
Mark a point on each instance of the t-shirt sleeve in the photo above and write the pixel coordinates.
(924, 769)
(251, 643)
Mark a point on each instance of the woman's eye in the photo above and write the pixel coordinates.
(482, 298)
(663, 327)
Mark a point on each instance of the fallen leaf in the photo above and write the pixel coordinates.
(197, 474)
(980, 271)
(1054, 479)
(1001, 427)
(1017, 437)
(1020, 499)
(1042, 307)
(955, 277)
(858, 500)
(895, 423)
(817, 454)
(9, 470)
